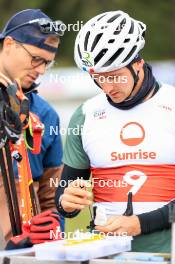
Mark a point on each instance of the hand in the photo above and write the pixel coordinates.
(44, 227)
(122, 225)
(76, 196)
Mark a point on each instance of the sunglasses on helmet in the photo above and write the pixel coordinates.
(45, 25)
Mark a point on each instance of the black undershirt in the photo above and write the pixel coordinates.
(150, 222)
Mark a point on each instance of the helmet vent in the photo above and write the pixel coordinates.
(130, 54)
(100, 55)
(126, 40)
(103, 27)
(131, 28)
(120, 27)
(141, 26)
(111, 41)
(113, 18)
(96, 40)
(112, 59)
(79, 52)
(86, 40)
(101, 17)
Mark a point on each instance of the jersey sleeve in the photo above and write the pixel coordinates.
(74, 154)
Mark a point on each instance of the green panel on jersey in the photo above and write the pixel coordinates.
(156, 242)
(74, 154)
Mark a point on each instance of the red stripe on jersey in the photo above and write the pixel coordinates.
(148, 183)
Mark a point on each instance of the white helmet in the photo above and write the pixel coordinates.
(108, 42)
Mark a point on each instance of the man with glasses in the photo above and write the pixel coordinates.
(28, 45)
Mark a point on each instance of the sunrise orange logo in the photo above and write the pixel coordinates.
(132, 134)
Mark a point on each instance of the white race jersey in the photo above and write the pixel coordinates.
(131, 151)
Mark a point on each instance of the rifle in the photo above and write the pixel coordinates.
(14, 120)
(10, 129)
(29, 205)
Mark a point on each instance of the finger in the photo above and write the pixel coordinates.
(117, 232)
(43, 214)
(80, 183)
(110, 220)
(72, 206)
(78, 192)
(75, 199)
(114, 225)
(110, 227)
(55, 215)
(102, 229)
(43, 220)
(121, 232)
(44, 235)
(42, 228)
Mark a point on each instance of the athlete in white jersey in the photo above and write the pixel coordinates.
(127, 136)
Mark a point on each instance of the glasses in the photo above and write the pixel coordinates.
(45, 25)
(37, 60)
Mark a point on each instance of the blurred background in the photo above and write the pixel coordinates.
(66, 87)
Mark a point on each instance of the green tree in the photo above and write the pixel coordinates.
(158, 15)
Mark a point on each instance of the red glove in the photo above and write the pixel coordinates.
(44, 227)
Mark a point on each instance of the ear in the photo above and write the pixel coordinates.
(139, 65)
(7, 43)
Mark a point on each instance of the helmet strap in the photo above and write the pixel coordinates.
(135, 77)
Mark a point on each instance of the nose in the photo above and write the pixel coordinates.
(41, 69)
(108, 88)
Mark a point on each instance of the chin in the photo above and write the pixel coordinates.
(117, 101)
(26, 85)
